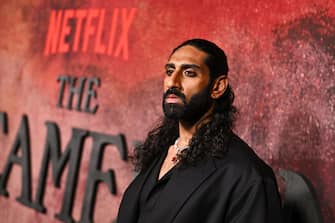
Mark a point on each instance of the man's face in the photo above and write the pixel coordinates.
(186, 85)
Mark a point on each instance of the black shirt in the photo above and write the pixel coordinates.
(152, 189)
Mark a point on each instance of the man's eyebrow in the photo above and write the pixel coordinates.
(169, 65)
(183, 66)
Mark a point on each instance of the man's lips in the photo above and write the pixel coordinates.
(172, 98)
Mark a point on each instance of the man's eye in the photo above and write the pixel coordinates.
(168, 72)
(189, 73)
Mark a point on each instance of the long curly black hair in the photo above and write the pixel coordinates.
(211, 138)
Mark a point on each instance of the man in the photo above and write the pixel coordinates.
(193, 168)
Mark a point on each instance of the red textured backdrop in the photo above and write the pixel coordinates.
(281, 56)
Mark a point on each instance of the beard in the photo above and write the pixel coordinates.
(189, 112)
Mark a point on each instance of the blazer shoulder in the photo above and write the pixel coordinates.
(242, 160)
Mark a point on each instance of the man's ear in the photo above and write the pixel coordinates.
(219, 87)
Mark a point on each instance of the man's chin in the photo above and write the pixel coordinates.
(173, 110)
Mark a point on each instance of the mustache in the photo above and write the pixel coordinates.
(174, 91)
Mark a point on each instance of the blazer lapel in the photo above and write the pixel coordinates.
(128, 211)
(180, 187)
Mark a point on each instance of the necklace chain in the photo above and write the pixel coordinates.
(179, 149)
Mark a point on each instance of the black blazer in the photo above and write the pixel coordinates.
(239, 188)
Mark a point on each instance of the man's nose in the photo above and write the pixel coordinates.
(174, 80)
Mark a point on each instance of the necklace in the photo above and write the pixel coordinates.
(178, 149)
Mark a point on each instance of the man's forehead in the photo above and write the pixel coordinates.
(187, 55)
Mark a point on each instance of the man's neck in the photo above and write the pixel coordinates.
(185, 133)
(187, 130)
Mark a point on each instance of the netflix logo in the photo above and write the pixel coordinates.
(97, 31)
